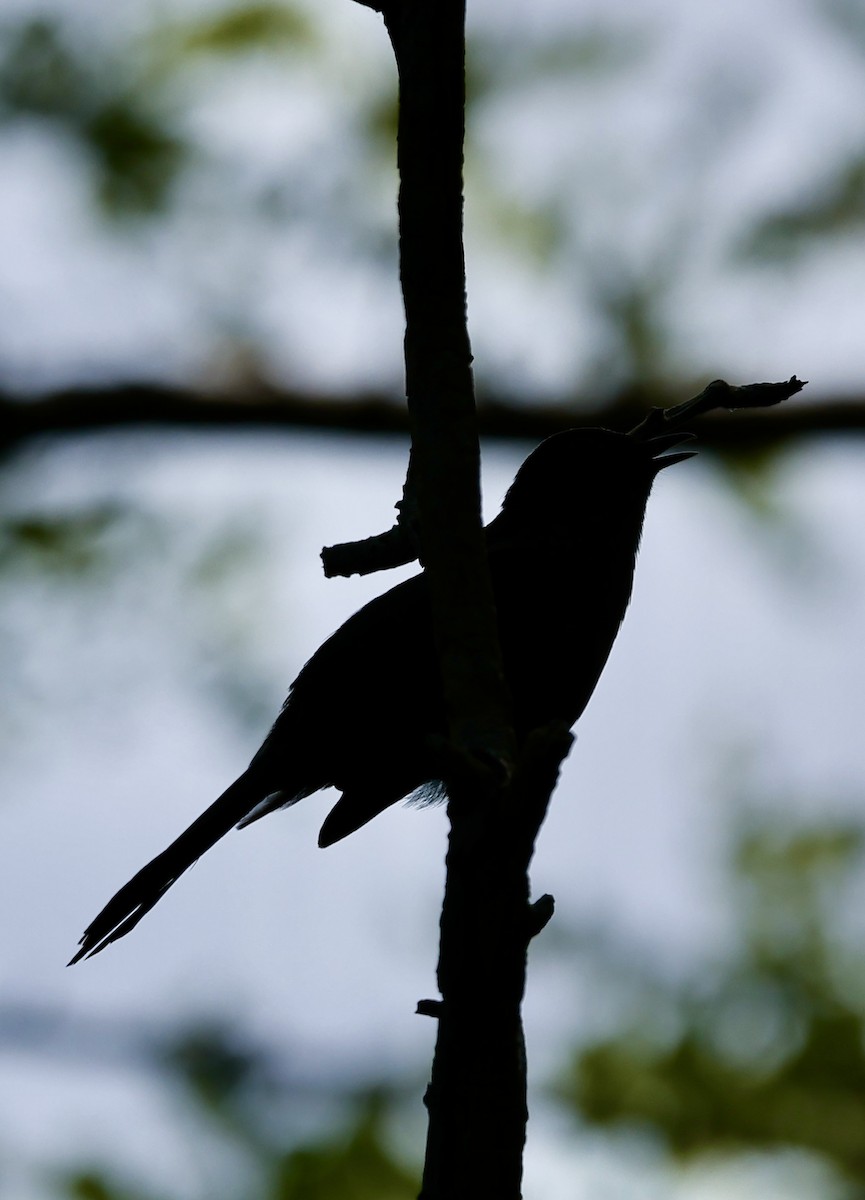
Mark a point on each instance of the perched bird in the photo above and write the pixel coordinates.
(363, 712)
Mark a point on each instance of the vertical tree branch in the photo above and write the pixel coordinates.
(428, 38)
(477, 1094)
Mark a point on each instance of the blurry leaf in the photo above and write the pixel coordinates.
(837, 209)
(498, 64)
(633, 351)
(350, 1166)
(137, 157)
(226, 584)
(685, 1099)
(67, 544)
(245, 27)
(89, 1186)
(232, 1082)
(769, 1054)
(39, 74)
(750, 472)
(783, 863)
(699, 1104)
(538, 232)
(95, 1185)
(233, 549)
(596, 52)
(790, 886)
(135, 154)
(381, 119)
(753, 1022)
(215, 1065)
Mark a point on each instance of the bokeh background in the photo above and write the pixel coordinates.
(199, 200)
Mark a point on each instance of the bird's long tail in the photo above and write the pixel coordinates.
(123, 912)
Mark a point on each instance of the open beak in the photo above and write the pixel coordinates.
(668, 441)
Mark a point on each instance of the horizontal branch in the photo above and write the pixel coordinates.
(91, 409)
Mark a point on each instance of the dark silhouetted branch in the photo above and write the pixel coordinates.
(718, 395)
(429, 45)
(394, 548)
(93, 409)
(476, 1099)
(477, 1093)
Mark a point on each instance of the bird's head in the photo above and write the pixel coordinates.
(590, 476)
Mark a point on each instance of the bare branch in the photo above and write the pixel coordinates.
(394, 548)
(716, 395)
(428, 39)
(82, 410)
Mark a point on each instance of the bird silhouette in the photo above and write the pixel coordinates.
(364, 713)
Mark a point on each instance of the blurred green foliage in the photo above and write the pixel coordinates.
(356, 1165)
(763, 1053)
(59, 544)
(137, 156)
(41, 75)
(269, 27)
(835, 209)
(124, 128)
(131, 103)
(134, 100)
(54, 561)
(93, 1185)
(118, 103)
(258, 1119)
(767, 1051)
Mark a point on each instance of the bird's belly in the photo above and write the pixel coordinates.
(554, 653)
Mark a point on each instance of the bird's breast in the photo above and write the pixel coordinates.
(558, 615)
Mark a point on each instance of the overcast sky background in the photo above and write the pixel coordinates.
(134, 695)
